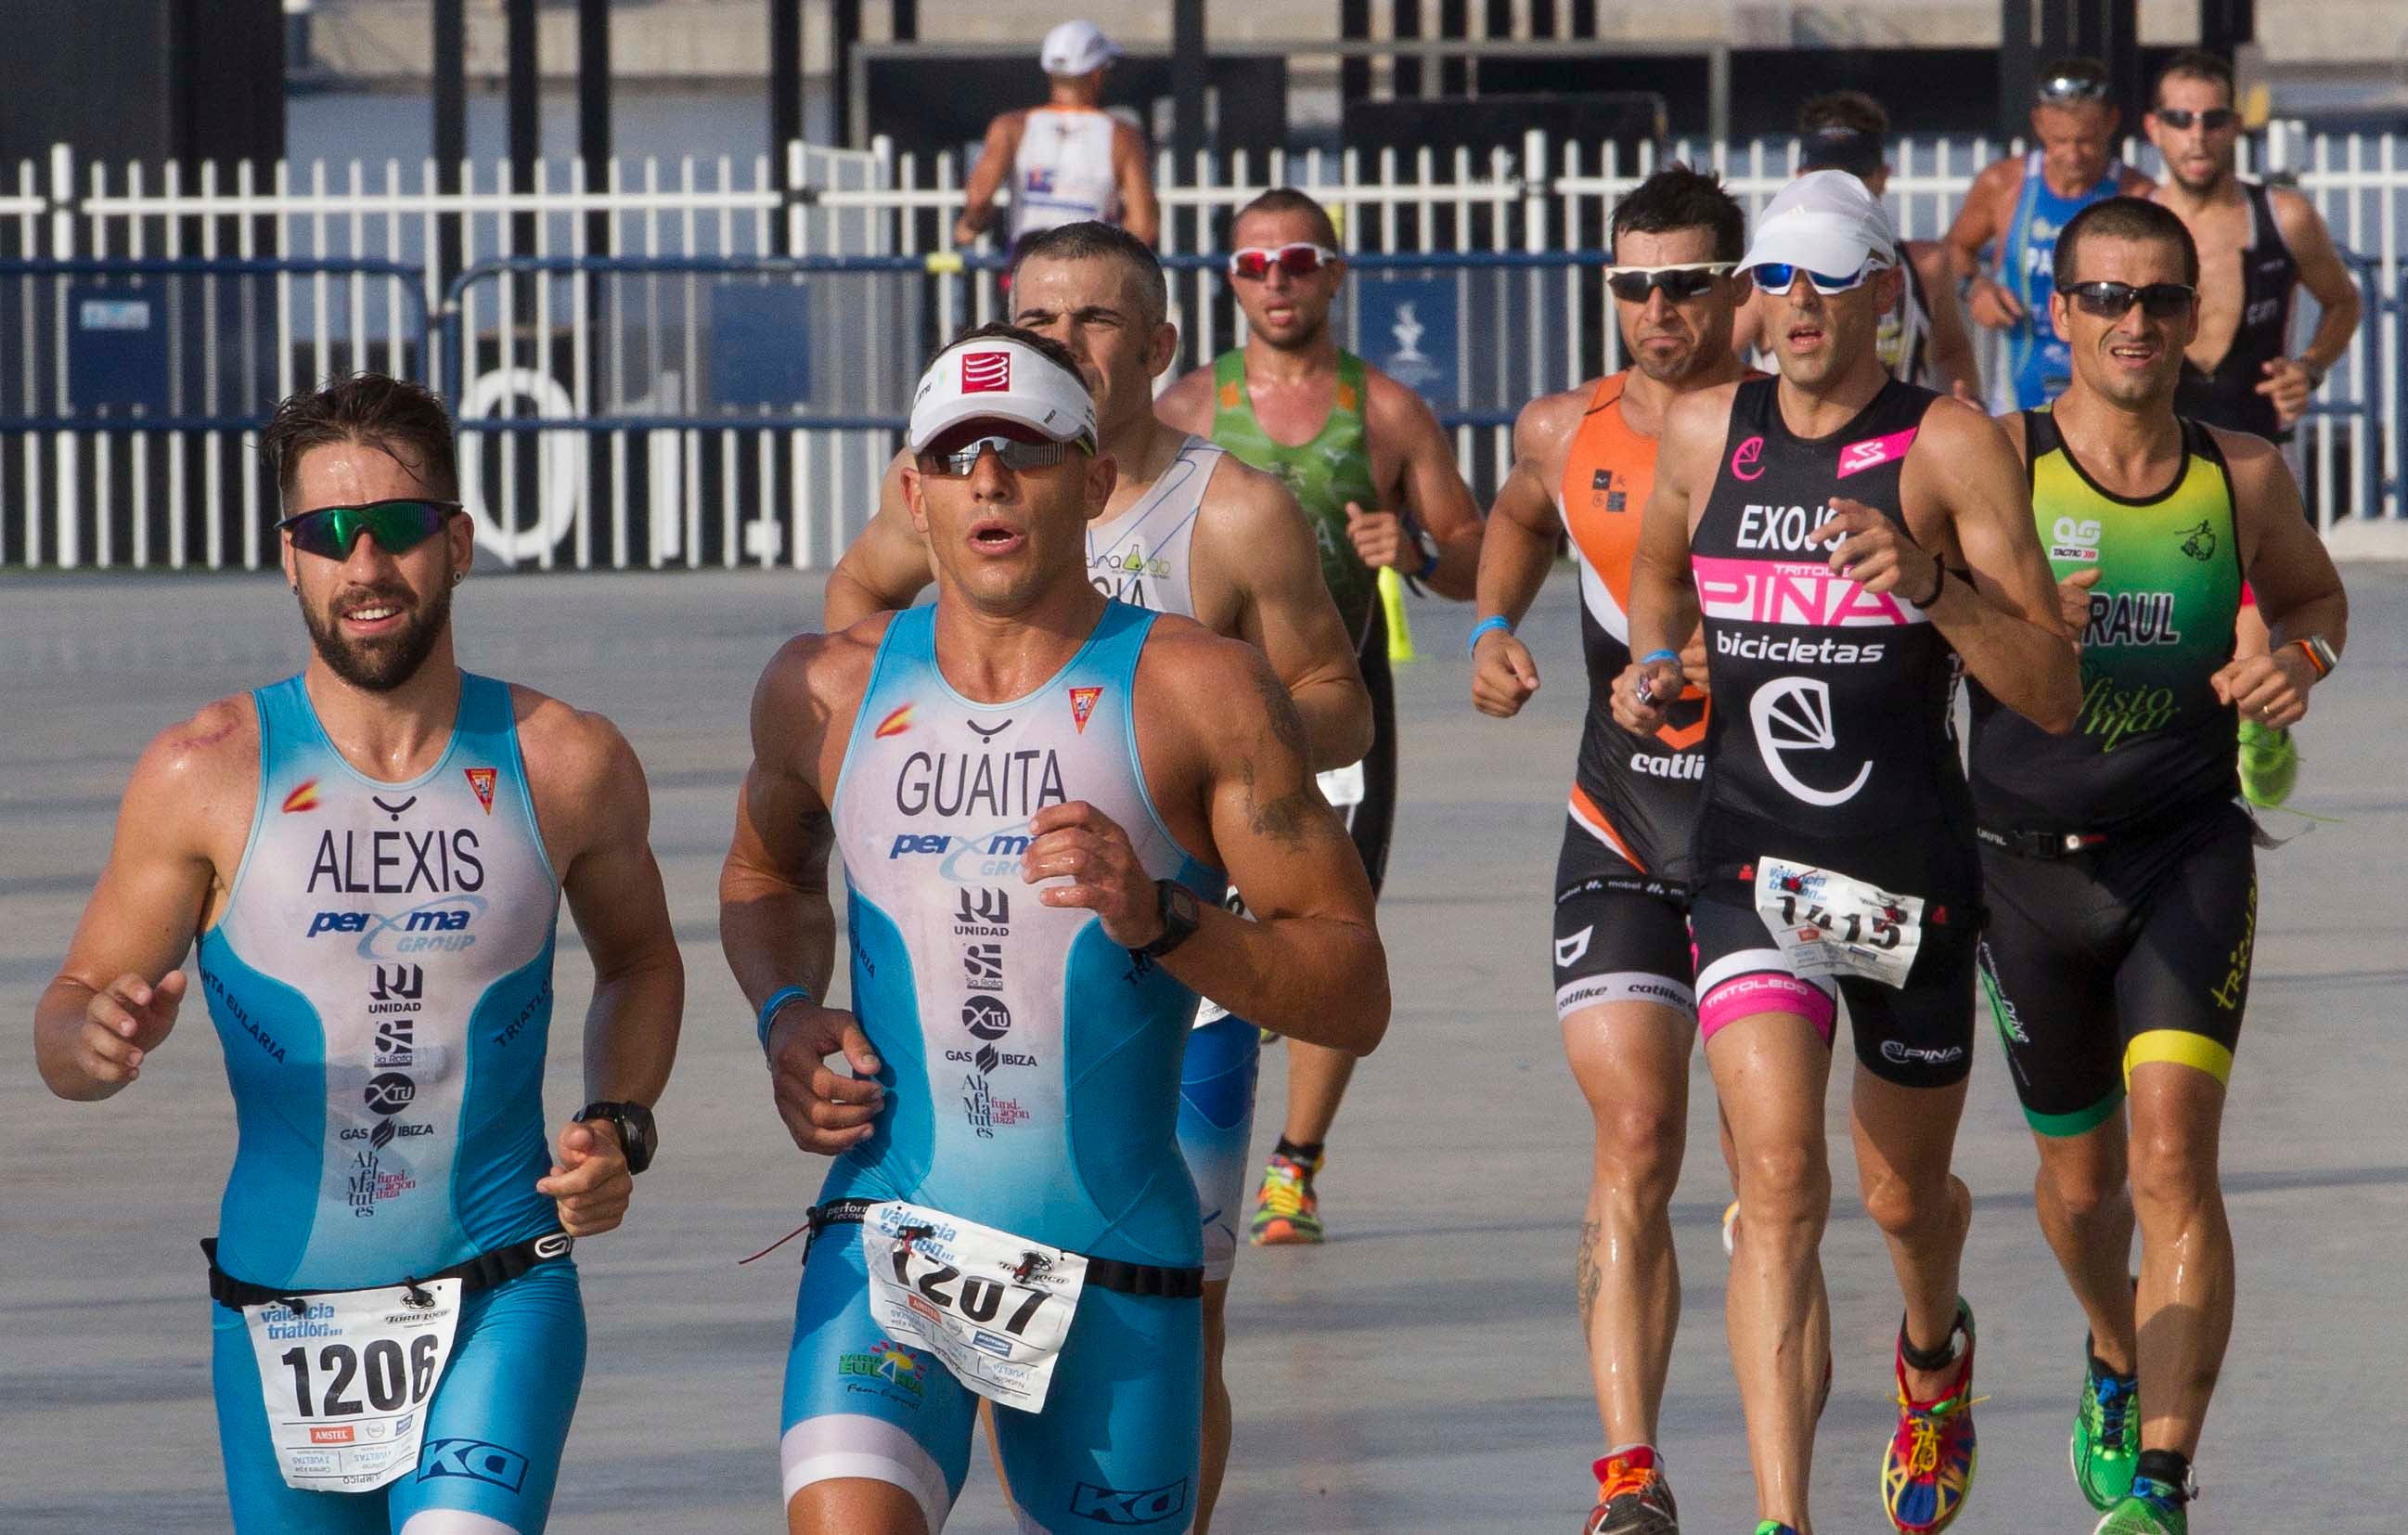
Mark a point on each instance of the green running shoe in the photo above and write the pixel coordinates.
(2106, 1434)
(1286, 1214)
(2151, 1508)
(1774, 1526)
(2270, 765)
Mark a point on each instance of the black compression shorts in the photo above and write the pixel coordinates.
(2137, 951)
(1620, 935)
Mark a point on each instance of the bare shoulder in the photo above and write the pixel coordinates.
(211, 757)
(1242, 499)
(1187, 404)
(570, 752)
(1950, 425)
(1698, 422)
(818, 672)
(1128, 138)
(2296, 216)
(2249, 458)
(1552, 417)
(1200, 676)
(2012, 423)
(1997, 177)
(2135, 184)
(1392, 408)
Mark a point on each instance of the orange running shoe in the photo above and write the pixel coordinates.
(1632, 1496)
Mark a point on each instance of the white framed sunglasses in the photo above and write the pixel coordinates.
(1301, 259)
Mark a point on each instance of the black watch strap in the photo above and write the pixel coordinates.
(639, 1136)
(1181, 917)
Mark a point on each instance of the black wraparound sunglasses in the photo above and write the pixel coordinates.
(2114, 300)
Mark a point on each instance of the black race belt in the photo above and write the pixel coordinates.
(481, 1272)
(2042, 844)
(1145, 1278)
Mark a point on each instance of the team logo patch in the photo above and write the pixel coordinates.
(482, 781)
(1743, 459)
(304, 797)
(985, 372)
(894, 723)
(1873, 452)
(1082, 705)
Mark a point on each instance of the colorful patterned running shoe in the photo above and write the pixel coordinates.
(1632, 1496)
(2151, 1508)
(1927, 1470)
(1286, 1211)
(1774, 1526)
(2269, 764)
(2106, 1434)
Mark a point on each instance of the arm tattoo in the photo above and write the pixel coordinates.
(1288, 819)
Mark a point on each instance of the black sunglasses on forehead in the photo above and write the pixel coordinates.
(2067, 86)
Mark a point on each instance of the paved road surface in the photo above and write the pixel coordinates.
(1421, 1373)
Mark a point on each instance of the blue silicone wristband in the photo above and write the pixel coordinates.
(1483, 626)
(1653, 656)
(778, 999)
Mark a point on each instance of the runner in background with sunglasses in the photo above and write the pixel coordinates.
(1375, 473)
(2120, 876)
(1852, 544)
(372, 855)
(1583, 461)
(2257, 247)
(2014, 211)
(1921, 343)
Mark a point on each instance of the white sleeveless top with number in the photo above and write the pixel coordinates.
(382, 983)
(1141, 558)
(1063, 172)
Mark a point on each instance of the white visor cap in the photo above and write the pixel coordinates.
(1827, 221)
(997, 378)
(1077, 47)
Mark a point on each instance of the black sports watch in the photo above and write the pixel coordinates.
(1180, 917)
(638, 1135)
(1427, 541)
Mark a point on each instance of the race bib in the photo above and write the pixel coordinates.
(992, 1306)
(1829, 924)
(1342, 786)
(347, 1379)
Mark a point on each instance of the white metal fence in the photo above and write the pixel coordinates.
(669, 475)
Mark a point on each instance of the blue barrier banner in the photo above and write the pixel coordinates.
(117, 350)
(761, 344)
(1405, 327)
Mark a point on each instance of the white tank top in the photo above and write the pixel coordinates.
(1141, 556)
(1063, 172)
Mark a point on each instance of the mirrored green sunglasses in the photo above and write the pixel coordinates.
(397, 526)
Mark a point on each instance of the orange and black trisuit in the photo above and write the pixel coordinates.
(1621, 930)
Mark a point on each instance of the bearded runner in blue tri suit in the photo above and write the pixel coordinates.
(372, 854)
(2015, 210)
(1036, 791)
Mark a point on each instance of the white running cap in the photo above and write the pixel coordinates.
(1077, 47)
(1825, 220)
(994, 378)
